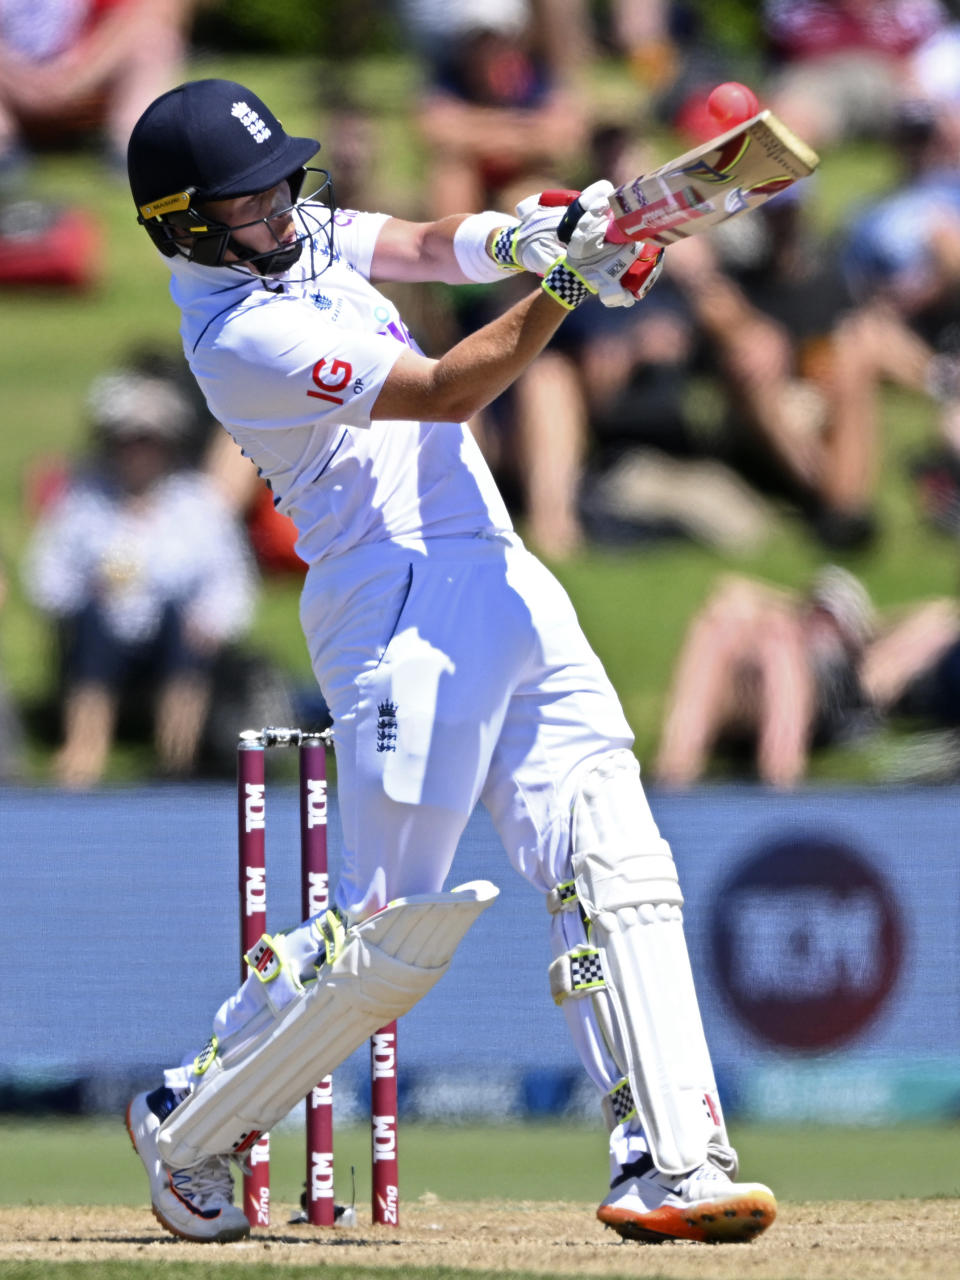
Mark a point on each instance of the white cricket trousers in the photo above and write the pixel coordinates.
(458, 673)
(453, 675)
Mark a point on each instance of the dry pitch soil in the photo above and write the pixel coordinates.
(869, 1240)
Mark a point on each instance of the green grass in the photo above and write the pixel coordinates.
(91, 1162)
(634, 604)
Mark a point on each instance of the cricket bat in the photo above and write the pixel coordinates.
(736, 171)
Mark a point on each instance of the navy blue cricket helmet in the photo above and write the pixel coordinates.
(212, 140)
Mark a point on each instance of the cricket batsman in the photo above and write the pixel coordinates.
(451, 659)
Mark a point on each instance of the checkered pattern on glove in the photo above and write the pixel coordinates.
(620, 273)
(565, 286)
(503, 249)
(531, 244)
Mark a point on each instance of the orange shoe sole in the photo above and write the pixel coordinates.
(732, 1220)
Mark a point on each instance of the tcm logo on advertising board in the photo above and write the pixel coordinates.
(807, 942)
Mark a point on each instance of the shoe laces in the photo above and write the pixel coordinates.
(705, 1179)
(204, 1182)
(700, 1181)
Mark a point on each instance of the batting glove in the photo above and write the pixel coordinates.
(621, 274)
(532, 244)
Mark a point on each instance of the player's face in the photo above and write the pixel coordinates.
(267, 213)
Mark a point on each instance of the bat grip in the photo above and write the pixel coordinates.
(575, 212)
(568, 222)
(613, 233)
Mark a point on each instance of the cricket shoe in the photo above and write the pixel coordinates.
(647, 1205)
(196, 1203)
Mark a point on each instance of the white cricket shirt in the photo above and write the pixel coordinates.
(292, 367)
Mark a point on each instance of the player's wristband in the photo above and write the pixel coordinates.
(565, 286)
(470, 245)
(503, 249)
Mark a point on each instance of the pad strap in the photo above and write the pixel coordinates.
(206, 1056)
(263, 959)
(270, 1061)
(576, 974)
(618, 1104)
(267, 962)
(331, 936)
(562, 898)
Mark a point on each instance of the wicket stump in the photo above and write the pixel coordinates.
(315, 896)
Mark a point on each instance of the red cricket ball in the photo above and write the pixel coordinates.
(731, 103)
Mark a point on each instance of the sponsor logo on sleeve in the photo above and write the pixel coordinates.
(330, 377)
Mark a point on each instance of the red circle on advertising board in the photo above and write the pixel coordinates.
(807, 942)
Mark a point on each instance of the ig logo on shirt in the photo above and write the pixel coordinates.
(331, 376)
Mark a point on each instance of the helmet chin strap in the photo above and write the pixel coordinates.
(210, 249)
(271, 263)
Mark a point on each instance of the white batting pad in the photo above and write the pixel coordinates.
(386, 964)
(626, 882)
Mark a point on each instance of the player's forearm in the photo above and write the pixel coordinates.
(474, 372)
(415, 252)
(485, 363)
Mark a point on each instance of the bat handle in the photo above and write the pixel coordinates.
(568, 222)
(613, 234)
(575, 212)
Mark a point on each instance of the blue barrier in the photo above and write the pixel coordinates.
(824, 931)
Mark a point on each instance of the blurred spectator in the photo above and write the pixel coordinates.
(912, 668)
(207, 447)
(775, 675)
(934, 78)
(146, 575)
(607, 433)
(70, 67)
(902, 247)
(902, 261)
(501, 110)
(769, 302)
(501, 116)
(644, 33)
(839, 66)
(772, 672)
(676, 59)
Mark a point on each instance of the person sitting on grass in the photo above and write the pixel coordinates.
(780, 674)
(774, 671)
(145, 574)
